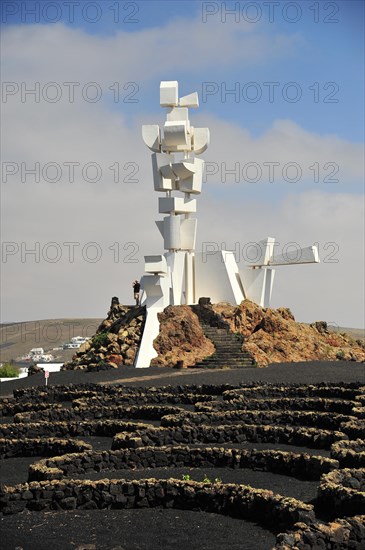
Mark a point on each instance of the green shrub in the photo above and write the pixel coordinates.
(100, 340)
(8, 371)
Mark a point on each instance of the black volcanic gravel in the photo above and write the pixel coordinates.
(290, 373)
(155, 529)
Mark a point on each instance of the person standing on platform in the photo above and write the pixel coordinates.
(136, 290)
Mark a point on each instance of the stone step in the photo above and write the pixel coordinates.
(230, 362)
(228, 346)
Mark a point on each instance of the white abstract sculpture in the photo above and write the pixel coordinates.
(181, 275)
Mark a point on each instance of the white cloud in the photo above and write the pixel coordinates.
(49, 52)
(285, 142)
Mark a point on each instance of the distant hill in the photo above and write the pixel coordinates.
(355, 333)
(17, 339)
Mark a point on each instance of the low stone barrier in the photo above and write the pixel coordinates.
(231, 433)
(103, 428)
(57, 393)
(342, 492)
(303, 466)
(78, 391)
(284, 403)
(10, 409)
(341, 533)
(143, 412)
(142, 399)
(359, 411)
(350, 454)
(282, 390)
(10, 448)
(238, 501)
(354, 429)
(295, 418)
(361, 398)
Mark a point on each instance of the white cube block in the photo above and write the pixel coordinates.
(178, 114)
(169, 93)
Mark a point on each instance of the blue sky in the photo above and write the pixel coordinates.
(312, 51)
(326, 64)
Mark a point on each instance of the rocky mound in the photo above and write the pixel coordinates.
(273, 336)
(270, 336)
(181, 340)
(116, 341)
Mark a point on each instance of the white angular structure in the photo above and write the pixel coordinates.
(180, 275)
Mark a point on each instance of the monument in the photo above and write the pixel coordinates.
(182, 275)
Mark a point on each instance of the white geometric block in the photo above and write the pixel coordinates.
(179, 114)
(269, 283)
(188, 233)
(217, 276)
(155, 264)
(162, 159)
(257, 284)
(175, 134)
(184, 169)
(152, 136)
(263, 251)
(189, 279)
(160, 226)
(175, 262)
(161, 162)
(176, 205)
(307, 255)
(191, 100)
(156, 292)
(169, 93)
(167, 171)
(253, 282)
(201, 140)
(192, 184)
(171, 233)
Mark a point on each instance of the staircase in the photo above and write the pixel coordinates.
(228, 345)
